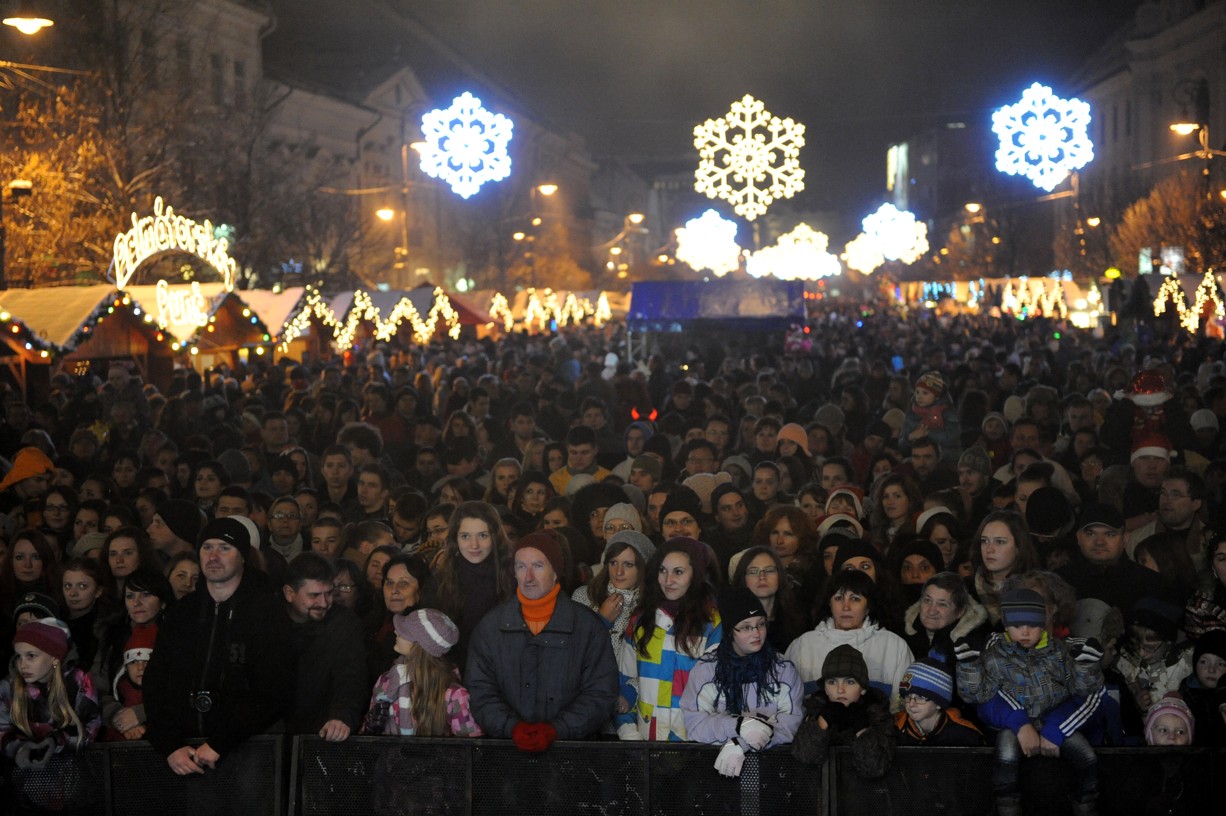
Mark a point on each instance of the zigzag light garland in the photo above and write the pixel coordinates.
(364, 309)
(1190, 318)
(1034, 298)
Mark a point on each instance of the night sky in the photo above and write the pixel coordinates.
(634, 76)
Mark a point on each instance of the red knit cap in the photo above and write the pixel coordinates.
(551, 543)
(46, 637)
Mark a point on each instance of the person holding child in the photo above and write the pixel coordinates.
(1037, 691)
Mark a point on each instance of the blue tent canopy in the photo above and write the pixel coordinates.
(728, 305)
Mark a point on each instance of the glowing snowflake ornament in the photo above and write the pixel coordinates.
(862, 254)
(709, 242)
(800, 255)
(896, 234)
(1043, 137)
(749, 158)
(466, 145)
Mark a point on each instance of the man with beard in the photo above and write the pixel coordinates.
(331, 692)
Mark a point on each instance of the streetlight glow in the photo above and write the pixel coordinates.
(1093, 221)
(635, 218)
(973, 207)
(385, 213)
(1182, 128)
(547, 189)
(27, 18)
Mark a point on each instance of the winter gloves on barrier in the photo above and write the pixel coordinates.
(533, 738)
(731, 758)
(754, 733)
(35, 754)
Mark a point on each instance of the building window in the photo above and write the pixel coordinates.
(240, 84)
(217, 80)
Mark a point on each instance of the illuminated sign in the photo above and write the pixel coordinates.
(166, 231)
(184, 306)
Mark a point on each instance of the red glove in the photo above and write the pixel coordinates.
(533, 737)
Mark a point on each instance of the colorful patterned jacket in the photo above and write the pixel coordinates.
(653, 685)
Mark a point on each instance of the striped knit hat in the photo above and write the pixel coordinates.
(1023, 607)
(428, 628)
(930, 680)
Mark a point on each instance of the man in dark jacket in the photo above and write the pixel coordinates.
(539, 665)
(222, 668)
(1101, 569)
(332, 691)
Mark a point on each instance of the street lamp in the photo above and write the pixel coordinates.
(1193, 98)
(27, 17)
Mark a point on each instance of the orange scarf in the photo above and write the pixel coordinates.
(537, 613)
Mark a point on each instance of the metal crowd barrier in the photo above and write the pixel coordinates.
(458, 777)
(957, 782)
(389, 776)
(130, 779)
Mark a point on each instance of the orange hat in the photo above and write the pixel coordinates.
(793, 432)
(28, 462)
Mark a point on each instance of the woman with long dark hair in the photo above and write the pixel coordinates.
(471, 576)
(1001, 547)
(679, 621)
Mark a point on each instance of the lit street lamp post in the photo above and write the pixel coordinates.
(29, 20)
(1195, 119)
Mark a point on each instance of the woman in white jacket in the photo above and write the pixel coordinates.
(851, 619)
(742, 694)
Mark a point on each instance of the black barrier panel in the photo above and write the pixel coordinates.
(69, 782)
(246, 782)
(568, 778)
(416, 777)
(958, 781)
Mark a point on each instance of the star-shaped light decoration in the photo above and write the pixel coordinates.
(799, 255)
(1043, 137)
(709, 242)
(749, 158)
(466, 145)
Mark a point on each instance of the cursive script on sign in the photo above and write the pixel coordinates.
(167, 231)
(183, 307)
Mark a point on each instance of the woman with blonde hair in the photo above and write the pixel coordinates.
(421, 695)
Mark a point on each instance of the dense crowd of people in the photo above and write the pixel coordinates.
(883, 531)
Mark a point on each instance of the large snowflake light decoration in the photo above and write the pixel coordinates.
(749, 158)
(709, 242)
(1043, 137)
(898, 236)
(862, 254)
(466, 145)
(800, 255)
